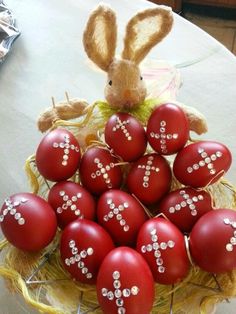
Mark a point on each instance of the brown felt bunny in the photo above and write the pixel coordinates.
(125, 88)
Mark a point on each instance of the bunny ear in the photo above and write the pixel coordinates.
(100, 36)
(144, 31)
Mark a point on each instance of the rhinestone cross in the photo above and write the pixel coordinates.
(121, 125)
(118, 294)
(115, 211)
(230, 245)
(103, 171)
(69, 203)
(156, 247)
(148, 168)
(11, 208)
(66, 146)
(78, 257)
(205, 161)
(188, 201)
(163, 136)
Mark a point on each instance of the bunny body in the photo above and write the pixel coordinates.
(125, 88)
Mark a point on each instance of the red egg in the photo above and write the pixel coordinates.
(71, 201)
(125, 283)
(58, 155)
(213, 241)
(168, 129)
(98, 170)
(149, 178)
(28, 222)
(163, 247)
(126, 136)
(121, 215)
(84, 245)
(185, 206)
(202, 163)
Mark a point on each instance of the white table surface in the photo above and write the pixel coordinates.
(48, 59)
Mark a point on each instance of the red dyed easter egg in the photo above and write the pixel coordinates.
(28, 222)
(168, 129)
(121, 215)
(213, 241)
(71, 201)
(149, 178)
(202, 163)
(98, 171)
(125, 283)
(126, 136)
(58, 155)
(185, 206)
(163, 246)
(84, 245)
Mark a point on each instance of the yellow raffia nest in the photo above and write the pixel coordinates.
(51, 290)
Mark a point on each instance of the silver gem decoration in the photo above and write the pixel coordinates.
(67, 147)
(69, 203)
(115, 211)
(103, 172)
(122, 126)
(148, 168)
(11, 208)
(232, 241)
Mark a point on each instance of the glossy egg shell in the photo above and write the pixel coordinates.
(84, 245)
(28, 222)
(121, 215)
(71, 201)
(185, 206)
(163, 246)
(149, 178)
(98, 172)
(213, 240)
(126, 136)
(125, 283)
(167, 129)
(58, 155)
(202, 163)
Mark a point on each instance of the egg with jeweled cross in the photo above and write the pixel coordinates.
(84, 244)
(28, 222)
(168, 129)
(99, 170)
(149, 178)
(126, 136)
(58, 155)
(71, 201)
(125, 283)
(202, 163)
(185, 206)
(162, 245)
(213, 241)
(121, 215)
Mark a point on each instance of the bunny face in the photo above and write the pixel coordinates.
(125, 86)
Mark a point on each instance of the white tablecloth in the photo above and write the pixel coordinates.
(48, 59)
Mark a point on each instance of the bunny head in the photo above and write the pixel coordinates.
(125, 87)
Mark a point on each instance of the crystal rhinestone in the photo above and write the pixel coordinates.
(72, 147)
(119, 302)
(192, 206)
(155, 246)
(134, 290)
(13, 211)
(195, 166)
(152, 134)
(65, 157)
(194, 212)
(233, 224)
(163, 123)
(126, 228)
(189, 201)
(121, 310)
(103, 170)
(153, 231)
(157, 254)
(77, 258)
(183, 204)
(235, 234)
(116, 275)
(163, 245)
(210, 166)
(96, 160)
(161, 269)
(89, 275)
(108, 168)
(159, 261)
(126, 293)
(213, 157)
(143, 249)
(145, 185)
(229, 247)
(100, 165)
(169, 136)
(74, 198)
(177, 207)
(171, 244)
(154, 238)
(83, 254)
(129, 138)
(126, 205)
(157, 136)
(104, 292)
(218, 154)
(200, 150)
(5, 212)
(105, 176)
(207, 160)
(105, 218)
(233, 241)
(163, 135)
(212, 171)
(149, 247)
(145, 179)
(110, 215)
(118, 217)
(182, 192)
(171, 210)
(110, 295)
(72, 260)
(122, 222)
(175, 136)
(147, 173)
(204, 155)
(200, 197)
(77, 212)
(21, 221)
(73, 207)
(227, 221)
(74, 250)
(55, 145)
(93, 176)
(1, 218)
(201, 163)
(112, 165)
(109, 201)
(64, 206)
(195, 199)
(65, 198)
(71, 243)
(112, 206)
(120, 207)
(118, 293)
(116, 284)
(190, 169)
(98, 173)
(84, 270)
(90, 251)
(67, 261)
(163, 141)
(81, 265)
(17, 216)
(69, 203)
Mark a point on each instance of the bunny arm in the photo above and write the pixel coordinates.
(62, 110)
